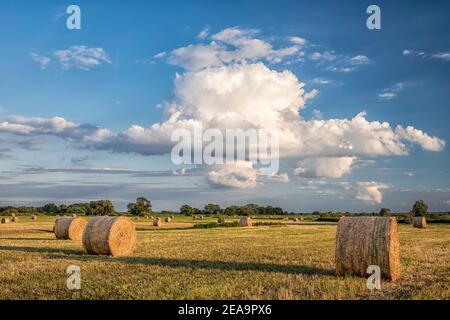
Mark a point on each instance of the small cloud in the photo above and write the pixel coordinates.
(297, 40)
(203, 34)
(160, 55)
(392, 91)
(447, 202)
(407, 52)
(359, 59)
(43, 61)
(311, 94)
(387, 95)
(442, 56)
(321, 81)
(317, 114)
(79, 57)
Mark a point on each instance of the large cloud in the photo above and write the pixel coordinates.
(225, 87)
(369, 192)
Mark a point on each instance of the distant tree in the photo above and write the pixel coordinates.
(101, 208)
(420, 208)
(141, 207)
(385, 212)
(187, 210)
(50, 208)
(231, 211)
(212, 209)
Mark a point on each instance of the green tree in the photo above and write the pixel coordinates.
(187, 210)
(420, 208)
(141, 207)
(101, 208)
(212, 209)
(232, 210)
(385, 212)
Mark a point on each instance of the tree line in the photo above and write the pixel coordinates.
(143, 206)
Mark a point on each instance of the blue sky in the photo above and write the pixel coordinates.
(106, 76)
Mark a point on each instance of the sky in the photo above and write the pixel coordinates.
(362, 115)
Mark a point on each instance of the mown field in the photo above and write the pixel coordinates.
(291, 261)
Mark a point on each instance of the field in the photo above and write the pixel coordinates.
(290, 261)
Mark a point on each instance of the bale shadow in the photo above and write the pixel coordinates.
(34, 239)
(73, 252)
(80, 255)
(206, 264)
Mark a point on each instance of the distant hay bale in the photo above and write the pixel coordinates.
(13, 215)
(295, 219)
(157, 222)
(15, 219)
(246, 222)
(201, 217)
(301, 219)
(419, 222)
(168, 219)
(115, 236)
(5, 220)
(221, 220)
(172, 217)
(69, 228)
(33, 217)
(146, 217)
(365, 241)
(286, 219)
(74, 215)
(194, 217)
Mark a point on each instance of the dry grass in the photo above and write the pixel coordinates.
(283, 262)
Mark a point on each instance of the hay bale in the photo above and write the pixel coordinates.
(194, 217)
(69, 228)
(5, 220)
(33, 217)
(15, 219)
(419, 222)
(365, 241)
(246, 222)
(172, 217)
(168, 219)
(13, 215)
(157, 222)
(115, 236)
(286, 219)
(301, 219)
(74, 215)
(221, 220)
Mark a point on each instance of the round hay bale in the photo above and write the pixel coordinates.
(201, 217)
(13, 215)
(69, 228)
(286, 219)
(115, 236)
(74, 215)
(365, 241)
(246, 222)
(295, 219)
(15, 219)
(419, 222)
(168, 219)
(5, 220)
(221, 220)
(301, 219)
(157, 222)
(146, 217)
(33, 217)
(194, 218)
